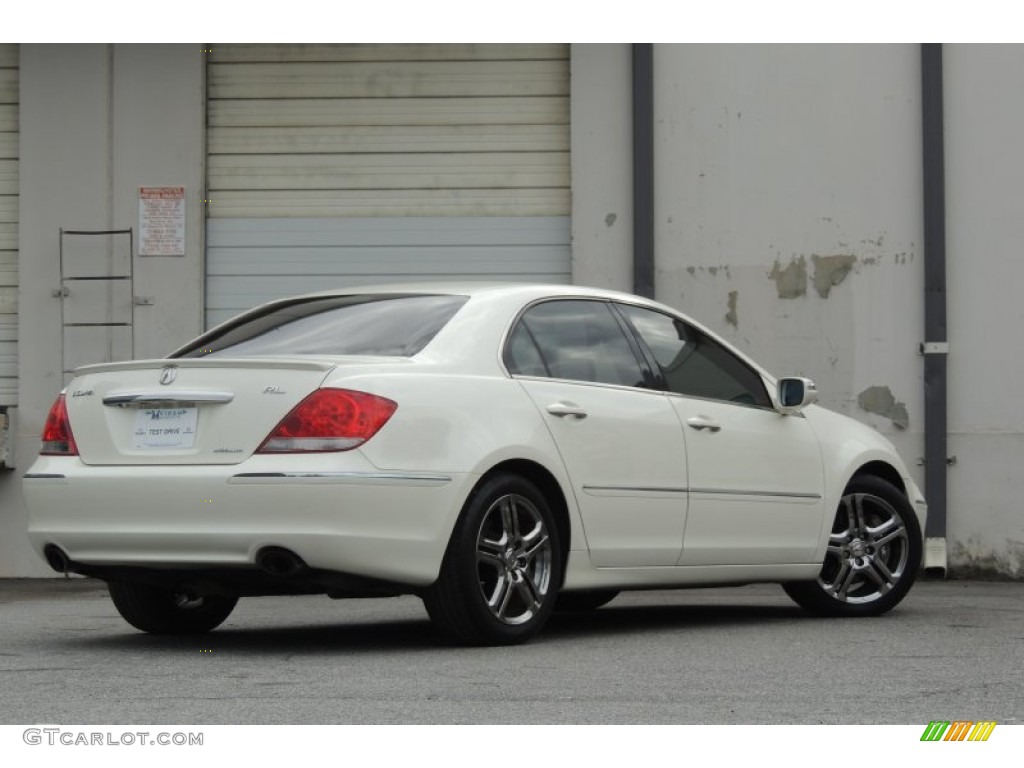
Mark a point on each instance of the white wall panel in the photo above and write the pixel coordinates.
(420, 170)
(386, 79)
(380, 52)
(9, 83)
(8, 224)
(354, 164)
(789, 207)
(377, 139)
(984, 273)
(388, 130)
(250, 261)
(453, 111)
(88, 344)
(290, 203)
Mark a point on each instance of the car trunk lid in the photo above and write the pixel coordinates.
(184, 411)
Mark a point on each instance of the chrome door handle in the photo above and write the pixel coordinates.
(561, 410)
(703, 422)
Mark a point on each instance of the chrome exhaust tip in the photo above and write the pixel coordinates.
(278, 561)
(57, 559)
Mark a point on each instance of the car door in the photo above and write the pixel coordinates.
(619, 440)
(756, 479)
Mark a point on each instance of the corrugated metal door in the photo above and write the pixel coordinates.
(344, 165)
(8, 225)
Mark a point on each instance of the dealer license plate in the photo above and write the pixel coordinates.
(162, 428)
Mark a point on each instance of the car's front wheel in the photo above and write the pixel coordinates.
(873, 555)
(503, 567)
(168, 612)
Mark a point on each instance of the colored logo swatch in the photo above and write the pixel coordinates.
(958, 730)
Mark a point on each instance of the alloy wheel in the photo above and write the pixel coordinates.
(514, 555)
(868, 550)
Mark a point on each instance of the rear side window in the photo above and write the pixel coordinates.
(575, 340)
(388, 325)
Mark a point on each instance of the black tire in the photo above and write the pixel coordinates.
(502, 569)
(165, 612)
(581, 602)
(873, 556)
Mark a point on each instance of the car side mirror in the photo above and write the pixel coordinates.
(795, 394)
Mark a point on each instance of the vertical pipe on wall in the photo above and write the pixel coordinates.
(935, 346)
(643, 169)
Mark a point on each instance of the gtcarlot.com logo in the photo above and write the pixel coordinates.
(70, 738)
(958, 730)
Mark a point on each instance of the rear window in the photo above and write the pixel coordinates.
(389, 325)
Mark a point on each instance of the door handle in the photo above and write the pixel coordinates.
(703, 422)
(561, 410)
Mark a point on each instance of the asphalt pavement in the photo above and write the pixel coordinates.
(952, 650)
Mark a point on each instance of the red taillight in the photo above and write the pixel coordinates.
(57, 437)
(330, 420)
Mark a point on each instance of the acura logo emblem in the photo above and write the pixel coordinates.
(168, 374)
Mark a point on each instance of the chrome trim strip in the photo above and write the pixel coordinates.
(44, 476)
(341, 478)
(772, 494)
(178, 396)
(712, 491)
(632, 489)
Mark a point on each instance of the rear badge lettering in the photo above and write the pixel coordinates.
(273, 390)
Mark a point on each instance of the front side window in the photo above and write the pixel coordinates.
(388, 325)
(573, 339)
(693, 364)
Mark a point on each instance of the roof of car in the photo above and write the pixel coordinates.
(478, 288)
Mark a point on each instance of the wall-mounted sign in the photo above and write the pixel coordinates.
(161, 221)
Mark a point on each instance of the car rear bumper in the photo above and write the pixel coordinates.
(392, 526)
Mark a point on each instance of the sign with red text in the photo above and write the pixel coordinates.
(161, 221)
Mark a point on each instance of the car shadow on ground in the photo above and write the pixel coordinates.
(614, 619)
(413, 635)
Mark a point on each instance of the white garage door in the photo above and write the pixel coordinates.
(346, 165)
(8, 225)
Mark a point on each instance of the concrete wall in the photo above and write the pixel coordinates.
(602, 166)
(98, 122)
(789, 219)
(985, 272)
(788, 213)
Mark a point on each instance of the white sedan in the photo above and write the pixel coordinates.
(502, 451)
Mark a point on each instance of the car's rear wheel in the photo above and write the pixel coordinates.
(169, 612)
(503, 567)
(579, 602)
(873, 555)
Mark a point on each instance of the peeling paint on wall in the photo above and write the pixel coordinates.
(830, 271)
(730, 316)
(791, 282)
(880, 400)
